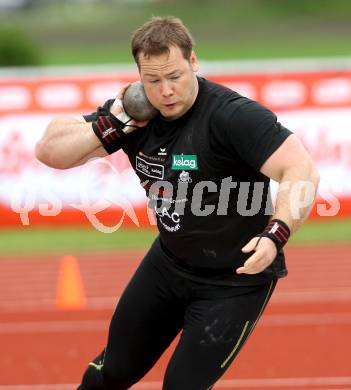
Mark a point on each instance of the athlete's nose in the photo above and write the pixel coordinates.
(166, 89)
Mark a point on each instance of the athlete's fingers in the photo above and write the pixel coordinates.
(252, 264)
(252, 268)
(133, 124)
(249, 265)
(265, 252)
(251, 245)
(122, 91)
(117, 106)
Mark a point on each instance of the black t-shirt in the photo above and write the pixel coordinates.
(201, 175)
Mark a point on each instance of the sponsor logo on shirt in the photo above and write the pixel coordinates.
(162, 152)
(184, 162)
(149, 169)
(152, 158)
(184, 177)
(169, 220)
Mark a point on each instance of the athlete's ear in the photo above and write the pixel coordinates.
(193, 62)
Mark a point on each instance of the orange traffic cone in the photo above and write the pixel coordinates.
(70, 293)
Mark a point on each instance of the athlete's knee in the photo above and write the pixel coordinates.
(177, 381)
(115, 378)
(185, 383)
(92, 378)
(96, 378)
(180, 378)
(104, 373)
(181, 384)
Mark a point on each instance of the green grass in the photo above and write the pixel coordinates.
(118, 53)
(323, 233)
(35, 241)
(108, 54)
(71, 33)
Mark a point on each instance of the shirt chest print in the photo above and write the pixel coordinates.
(153, 170)
(152, 163)
(184, 162)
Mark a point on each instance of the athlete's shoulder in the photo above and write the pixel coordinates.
(226, 100)
(217, 91)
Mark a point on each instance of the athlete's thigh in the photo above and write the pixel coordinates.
(146, 320)
(214, 331)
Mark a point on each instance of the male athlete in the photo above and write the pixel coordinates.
(205, 163)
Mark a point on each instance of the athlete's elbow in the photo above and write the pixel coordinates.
(47, 149)
(41, 152)
(47, 155)
(314, 175)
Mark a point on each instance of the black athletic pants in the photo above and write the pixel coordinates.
(157, 304)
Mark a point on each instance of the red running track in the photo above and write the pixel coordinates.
(303, 340)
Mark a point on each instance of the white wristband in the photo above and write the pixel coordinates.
(123, 117)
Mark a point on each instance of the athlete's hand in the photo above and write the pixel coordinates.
(118, 111)
(265, 252)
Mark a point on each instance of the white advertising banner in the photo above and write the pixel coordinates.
(326, 134)
(316, 106)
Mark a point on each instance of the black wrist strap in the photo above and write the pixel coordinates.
(108, 129)
(278, 231)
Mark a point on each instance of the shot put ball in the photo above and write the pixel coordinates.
(136, 104)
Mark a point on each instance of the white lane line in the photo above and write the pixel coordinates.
(312, 295)
(284, 382)
(25, 305)
(222, 384)
(306, 319)
(317, 295)
(54, 326)
(102, 325)
(39, 387)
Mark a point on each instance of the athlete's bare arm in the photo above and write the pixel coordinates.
(298, 178)
(69, 142)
